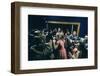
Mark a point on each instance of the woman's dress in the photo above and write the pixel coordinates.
(62, 50)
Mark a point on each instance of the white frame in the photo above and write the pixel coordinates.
(25, 64)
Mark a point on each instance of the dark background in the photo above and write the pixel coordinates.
(40, 22)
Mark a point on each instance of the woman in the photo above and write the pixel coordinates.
(61, 48)
(74, 54)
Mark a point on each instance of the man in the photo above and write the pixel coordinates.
(73, 37)
(40, 50)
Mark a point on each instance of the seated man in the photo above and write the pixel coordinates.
(73, 37)
(39, 49)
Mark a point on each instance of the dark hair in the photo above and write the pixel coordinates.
(62, 37)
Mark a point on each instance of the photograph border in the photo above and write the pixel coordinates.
(15, 36)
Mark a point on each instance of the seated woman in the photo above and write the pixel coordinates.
(74, 54)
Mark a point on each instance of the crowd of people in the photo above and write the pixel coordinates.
(57, 44)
